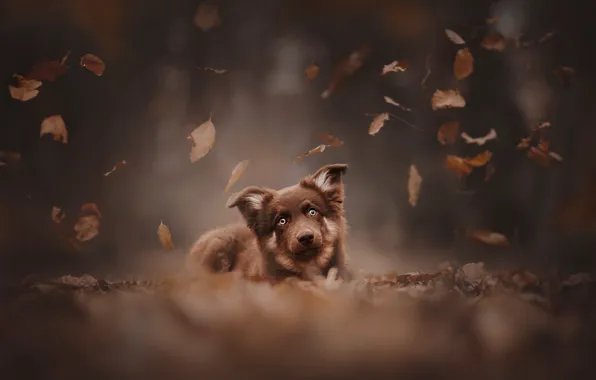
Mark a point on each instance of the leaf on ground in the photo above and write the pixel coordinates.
(319, 149)
(492, 134)
(329, 140)
(463, 66)
(118, 165)
(454, 37)
(395, 67)
(57, 214)
(414, 183)
(312, 71)
(207, 16)
(490, 238)
(239, 169)
(447, 99)
(93, 63)
(493, 41)
(378, 123)
(211, 69)
(347, 67)
(165, 237)
(87, 227)
(55, 126)
(46, 70)
(393, 102)
(25, 89)
(448, 132)
(203, 139)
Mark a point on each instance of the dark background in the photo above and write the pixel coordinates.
(152, 96)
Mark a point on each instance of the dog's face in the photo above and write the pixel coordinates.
(301, 221)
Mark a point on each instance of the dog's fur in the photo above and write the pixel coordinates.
(298, 231)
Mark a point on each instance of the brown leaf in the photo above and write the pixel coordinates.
(318, 149)
(463, 65)
(378, 123)
(492, 134)
(239, 169)
(448, 132)
(494, 41)
(93, 63)
(393, 102)
(454, 37)
(118, 165)
(25, 89)
(312, 71)
(414, 183)
(395, 66)
(489, 237)
(165, 237)
(207, 16)
(87, 227)
(57, 214)
(330, 140)
(447, 99)
(46, 70)
(347, 67)
(91, 207)
(458, 165)
(479, 160)
(55, 126)
(203, 139)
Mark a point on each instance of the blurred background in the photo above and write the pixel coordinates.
(152, 96)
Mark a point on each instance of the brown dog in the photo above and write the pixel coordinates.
(296, 231)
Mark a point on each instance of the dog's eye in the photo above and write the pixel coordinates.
(282, 221)
(312, 212)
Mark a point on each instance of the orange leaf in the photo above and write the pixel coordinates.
(312, 71)
(203, 139)
(165, 237)
(448, 132)
(458, 165)
(318, 149)
(330, 140)
(378, 123)
(237, 172)
(489, 237)
(93, 63)
(463, 65)
(46, 70)
(395, 66)
(479, 160)
(91, 207)
(494, 42)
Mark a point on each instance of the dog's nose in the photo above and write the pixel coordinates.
(306, 238)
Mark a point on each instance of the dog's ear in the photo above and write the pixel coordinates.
(251, 202)
(328, 179)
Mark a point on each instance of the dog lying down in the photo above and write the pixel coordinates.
(298, 231)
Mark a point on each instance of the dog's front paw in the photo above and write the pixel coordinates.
(333, 280)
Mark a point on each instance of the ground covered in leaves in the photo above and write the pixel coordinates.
(458, 323)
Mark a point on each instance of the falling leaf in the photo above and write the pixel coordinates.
(239, 169)
(93, 63)
(347, 67)
(87, 227)
(207, 16)
(203, 139)
(57, 214)
(312, 71)
(55, 126)
(463, 65)
(395, 66)
(479, 160)
(393, 102)
(118, 165)
(318, 149)
(454, 37)
(543, 157)
(492, 134)
(494, 42)
(91, 207)
(46, 70)
(448, 132)
(378, 123)
(447, 99)
(545, 124)
(463, 166)
(165, 237)
(330, 140)
(216, 71)
(25, 90)
(489, 237)
(414, 183)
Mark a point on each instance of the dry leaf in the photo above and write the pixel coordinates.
(448, 132)
(492, 134)
(46, 70)
(239, 169)
(489, 237)
(203, 139)
(463, 166)
(55, 126)
(414, 183)
(318, 149)
(165, 237)
(347, 67)
(57, 214)
(26, 89)
(91, 207)
(93, 63)
(312, 71)
(378, 123)
(207, 16)
(494, 41)
(454, 37)
(479, 160)
(330, 140)
(393, 102)
(395, 66)
(87, 227)
(118, 164)
(216, 71)
(543, 156)
(447, 99)
(463, 65)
